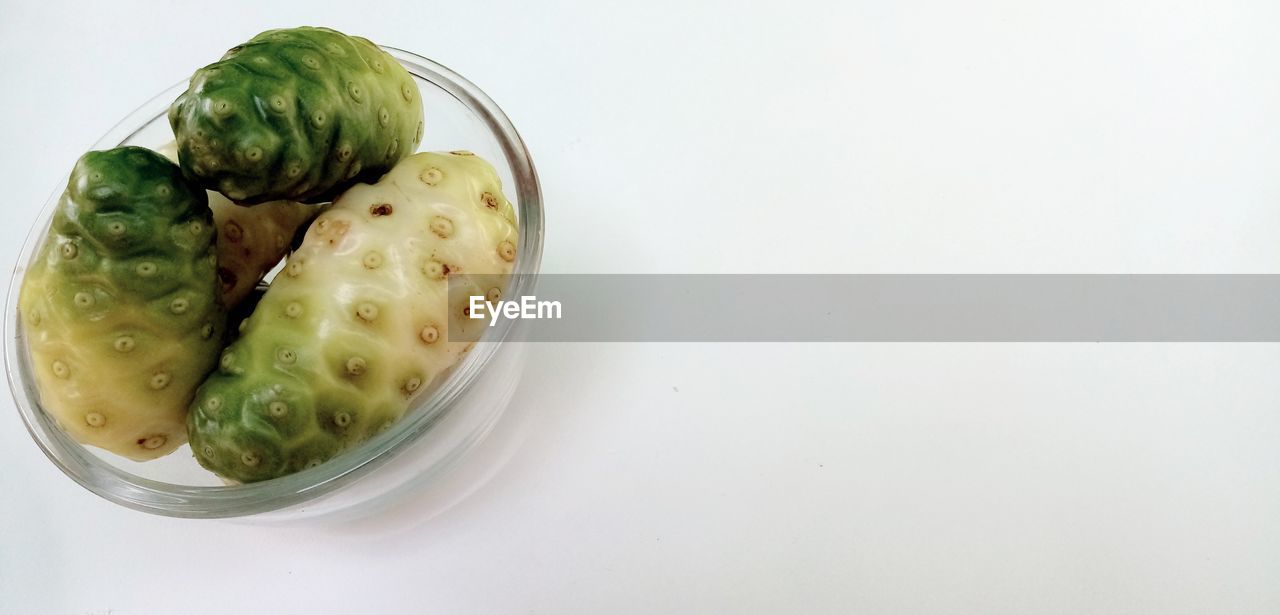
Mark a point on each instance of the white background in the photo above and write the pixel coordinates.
(987, 136)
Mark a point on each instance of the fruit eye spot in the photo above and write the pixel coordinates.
(431, 176)
(435, 270)
(159, 381)
(124, 343)
(507, 251)
(367, 312)
(412, 384)
(442, 227)
(429, 334)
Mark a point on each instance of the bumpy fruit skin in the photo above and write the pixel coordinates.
(251, 240)
(296, 114)
(120, 308)
(356, 326)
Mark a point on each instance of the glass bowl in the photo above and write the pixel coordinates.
(441, 426)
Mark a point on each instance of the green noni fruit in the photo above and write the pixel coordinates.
(121, 306)
(297, 114)
(357, 325)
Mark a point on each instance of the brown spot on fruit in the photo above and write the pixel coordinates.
(435, 270)
(380, 209)
(227, 278)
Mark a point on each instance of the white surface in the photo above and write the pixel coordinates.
(834, 137)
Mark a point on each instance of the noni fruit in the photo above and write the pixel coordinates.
(296, 114)
(251, 240)
(120, 307)
(358, 323)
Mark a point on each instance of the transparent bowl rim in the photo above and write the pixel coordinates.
(189, 501)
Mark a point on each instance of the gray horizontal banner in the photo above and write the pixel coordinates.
(877, 308)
